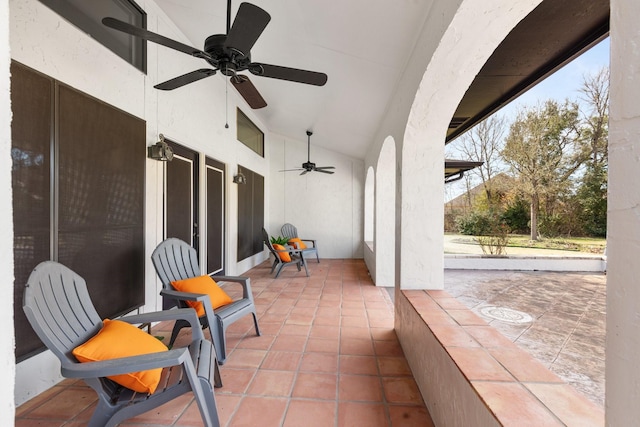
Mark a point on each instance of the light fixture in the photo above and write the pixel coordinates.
(160, 151)
(239, 178)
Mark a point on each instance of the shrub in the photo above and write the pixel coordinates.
(496, 240)
(474, 224)
(492, 234)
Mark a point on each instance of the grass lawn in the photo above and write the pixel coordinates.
(579, 244)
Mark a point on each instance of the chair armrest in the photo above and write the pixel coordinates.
(245, 282)
(291, 250)
(125, 365)
(313, 241)
(182, 296)
(188, 314)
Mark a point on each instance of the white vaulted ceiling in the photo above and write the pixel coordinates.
(362, 45)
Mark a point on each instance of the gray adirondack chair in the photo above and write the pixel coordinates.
(297, 258)
(290, 231)
(58, 306)
(175, 259)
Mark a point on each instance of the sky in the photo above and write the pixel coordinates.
(561, 85)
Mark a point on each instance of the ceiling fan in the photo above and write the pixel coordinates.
(308, 166)
(228, 53)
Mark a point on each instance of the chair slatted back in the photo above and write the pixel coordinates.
(174, 260)
(58, 306)
(289, 231)
(267, 242)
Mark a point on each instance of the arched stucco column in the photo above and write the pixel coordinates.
(623, 219)
(476, 29)
(385, 230)
(369, 217)
(369, 211)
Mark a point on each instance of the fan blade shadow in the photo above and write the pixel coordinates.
(250, 22)
(156, 38)
(185, 79)
(289, 74)
(248, 91)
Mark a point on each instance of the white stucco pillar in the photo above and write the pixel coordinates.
(7, 361)
(623, 220)
(385, 218)
(477, 28)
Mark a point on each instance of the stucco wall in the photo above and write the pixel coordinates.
(195, 117)
(328, 208)
(623, 225)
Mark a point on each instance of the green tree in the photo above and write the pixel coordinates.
(541, 149)
(592, 197)
(592, 193)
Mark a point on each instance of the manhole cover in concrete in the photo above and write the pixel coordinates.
(506, 314)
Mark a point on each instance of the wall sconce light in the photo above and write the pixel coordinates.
(160, 151)
(240, 178)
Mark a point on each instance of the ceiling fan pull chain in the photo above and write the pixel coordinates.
(226, 104)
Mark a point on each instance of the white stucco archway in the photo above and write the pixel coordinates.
(479, 26)
(369, 197)
(385, 217)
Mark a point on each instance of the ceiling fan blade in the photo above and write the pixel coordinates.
(304, 172)
(291, 170)
(250, 22)
(153, 37)
(324, 171)
(290, 74)
(248, 91)
(185, 79)
(325, 167)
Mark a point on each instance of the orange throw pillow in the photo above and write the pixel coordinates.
(299, 244)
(203, 285)
(284, 256)
(121, 339)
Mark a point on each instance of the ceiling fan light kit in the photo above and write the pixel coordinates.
(308, 166)
(228, 53)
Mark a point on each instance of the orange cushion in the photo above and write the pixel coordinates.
(120, 339)
(284, 256)
(203, 285)
(299, 244)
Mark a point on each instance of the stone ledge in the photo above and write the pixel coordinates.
(470, 374)
(595, 263)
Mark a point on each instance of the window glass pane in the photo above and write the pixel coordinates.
(249, 134)
(101, 200)
(87, 15)
(31, 134)
(250, 214)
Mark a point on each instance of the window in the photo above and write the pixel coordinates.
(249, 134)
(78, 194)
(87, 15)
(250, 214)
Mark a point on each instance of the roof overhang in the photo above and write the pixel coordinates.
(455, 169)
(549, 37)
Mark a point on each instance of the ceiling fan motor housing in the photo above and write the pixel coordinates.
(309, 166)
(227, 59)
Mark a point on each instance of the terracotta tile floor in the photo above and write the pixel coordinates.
(328, 356)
